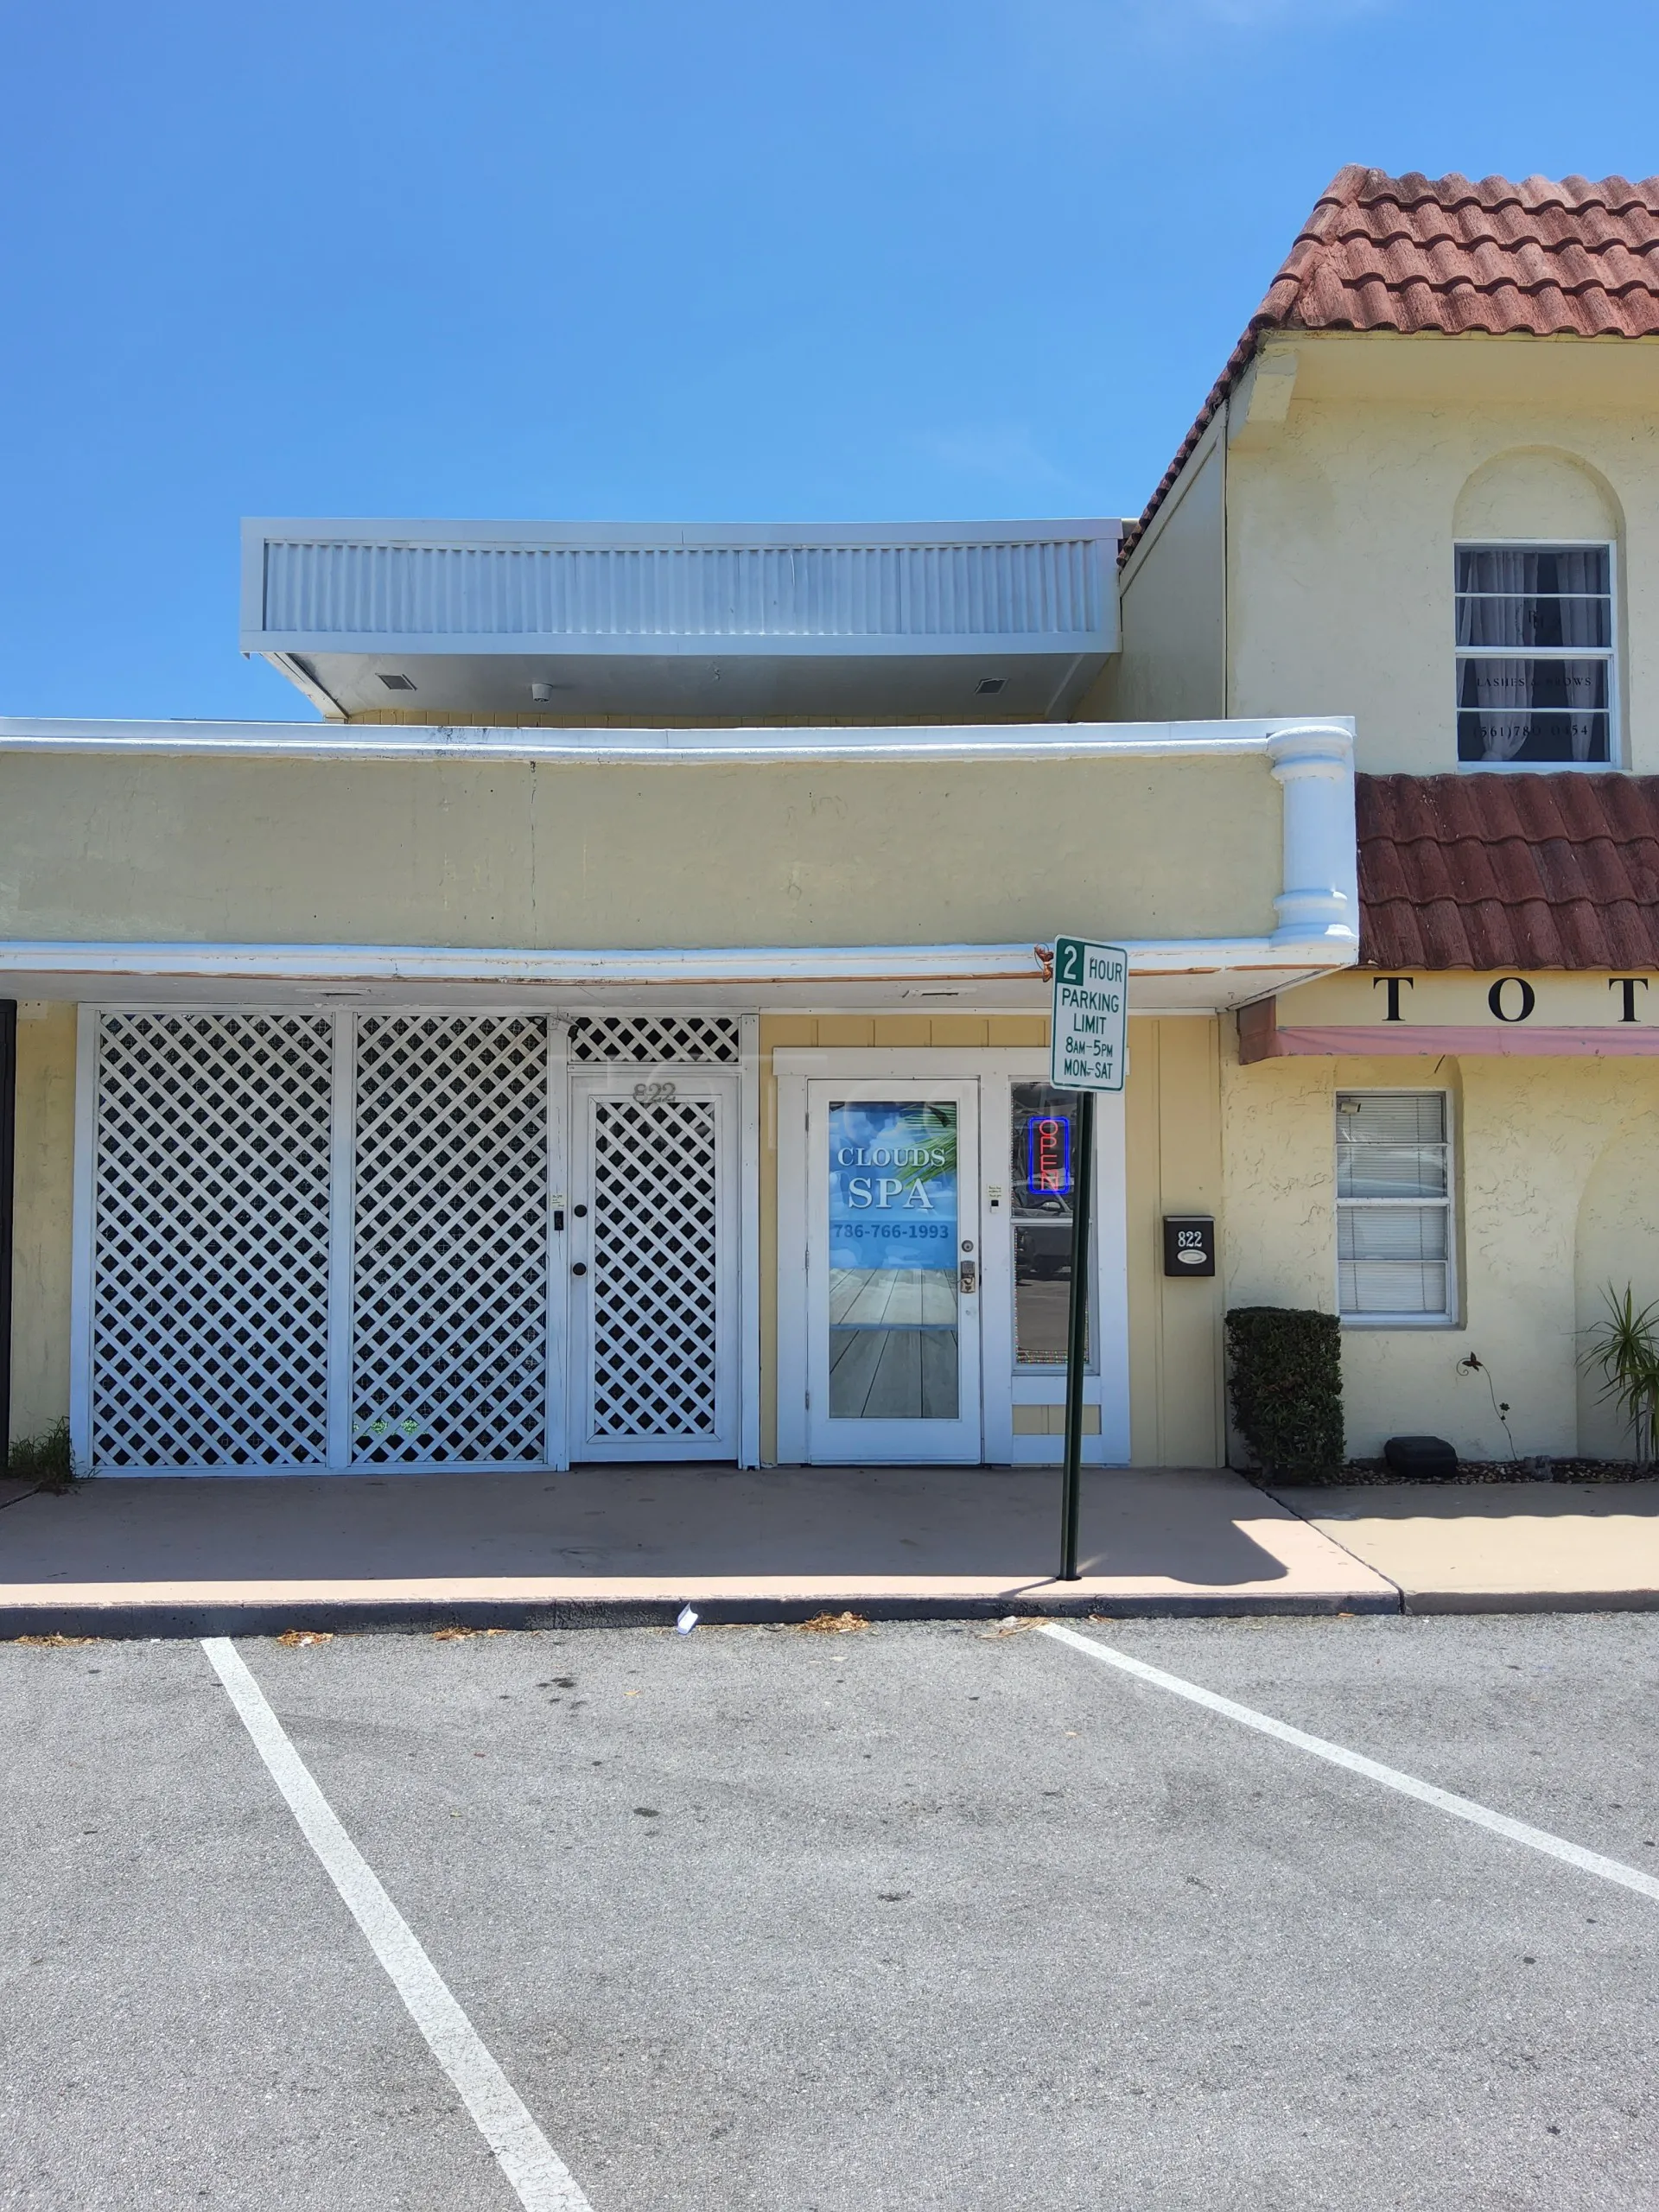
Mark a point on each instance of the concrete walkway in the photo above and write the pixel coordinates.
(1500, 1547)
(164, 1556)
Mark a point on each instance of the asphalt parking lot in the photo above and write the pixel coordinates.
(906, 1916)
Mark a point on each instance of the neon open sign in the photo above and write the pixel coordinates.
(1048, 1155)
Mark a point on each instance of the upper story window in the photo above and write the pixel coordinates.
(1534, 654)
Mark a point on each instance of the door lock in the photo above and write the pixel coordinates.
(579, 1268)
(967, 1278)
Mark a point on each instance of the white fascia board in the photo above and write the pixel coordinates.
(335, 529)
(677, 967)
(933, 742)
(323, 561)
(413, 647)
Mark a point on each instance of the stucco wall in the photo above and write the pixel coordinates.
(1544, 1149)
(1341, 521)
(583, 855)
(44, 1188)
(1172, 662)
(1618, 1245)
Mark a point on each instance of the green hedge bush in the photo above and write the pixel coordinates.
(1285, 1381)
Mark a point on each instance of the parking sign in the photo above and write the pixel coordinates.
(1092, 998)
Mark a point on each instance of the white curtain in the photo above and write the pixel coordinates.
(1512, 599)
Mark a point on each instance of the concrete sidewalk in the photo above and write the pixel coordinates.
(248, 1554)
(1499, 1548)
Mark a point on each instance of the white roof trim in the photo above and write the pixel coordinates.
(629, 969)
(389, 741)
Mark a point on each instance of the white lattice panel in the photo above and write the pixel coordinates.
(655, 1280)
(450, 1299)
(656, 1040)
(210, 1303)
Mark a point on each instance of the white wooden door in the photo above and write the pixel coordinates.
(652, 1248)
(893, 1264)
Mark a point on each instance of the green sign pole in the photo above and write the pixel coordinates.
(1077, 1333)
(1086, 1054)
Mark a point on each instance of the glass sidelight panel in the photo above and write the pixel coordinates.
(893, 1262)
(1043, 1178)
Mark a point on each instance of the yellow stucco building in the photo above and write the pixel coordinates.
(615, 1029)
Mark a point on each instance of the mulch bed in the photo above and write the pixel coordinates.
(1487, 1470)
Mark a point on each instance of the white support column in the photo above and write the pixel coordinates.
(749, 1215)
(341, 1171)
(83, 1234)
(1313, 765)
(558, 1240)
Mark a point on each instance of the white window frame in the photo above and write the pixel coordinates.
(1449, 1318)
(1608, 653)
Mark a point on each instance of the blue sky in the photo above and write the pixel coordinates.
(877, 259)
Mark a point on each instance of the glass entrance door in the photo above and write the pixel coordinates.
(893, 1271)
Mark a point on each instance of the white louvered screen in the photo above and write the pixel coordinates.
(651, 1039)
(210, 1259)
(655, 1330)
(450, 1296)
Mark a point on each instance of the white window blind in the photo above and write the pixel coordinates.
(1393, 1204)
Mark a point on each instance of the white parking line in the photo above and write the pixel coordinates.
(540, 2177)
(1443, 1800)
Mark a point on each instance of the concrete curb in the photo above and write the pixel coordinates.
(1427, 1602)
(117, 1621)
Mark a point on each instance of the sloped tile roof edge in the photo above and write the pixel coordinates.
(1632, 309)
(1520, 870)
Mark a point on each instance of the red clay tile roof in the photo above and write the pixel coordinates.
(1517, 871)
(1416, 253)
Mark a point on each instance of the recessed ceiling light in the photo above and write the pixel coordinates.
(404, 683)
(988, 685)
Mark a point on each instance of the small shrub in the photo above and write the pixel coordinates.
(46, 1460)
(1285, 1381)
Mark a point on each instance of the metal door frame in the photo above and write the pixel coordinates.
(898, 1441)
(1002, 1389)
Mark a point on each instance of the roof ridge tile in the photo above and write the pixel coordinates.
(1491, 256)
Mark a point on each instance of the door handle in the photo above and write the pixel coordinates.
(967, 1278)
(579, 1268)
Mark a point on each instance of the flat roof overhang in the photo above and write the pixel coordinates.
(1317, 907)
(733, 624)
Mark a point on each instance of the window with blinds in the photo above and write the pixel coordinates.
(1393, 1205)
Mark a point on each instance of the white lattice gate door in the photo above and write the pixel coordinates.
(450, 1241)
(210, 1226)
(652, 1260)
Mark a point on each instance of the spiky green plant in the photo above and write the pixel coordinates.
(1624, 1349)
